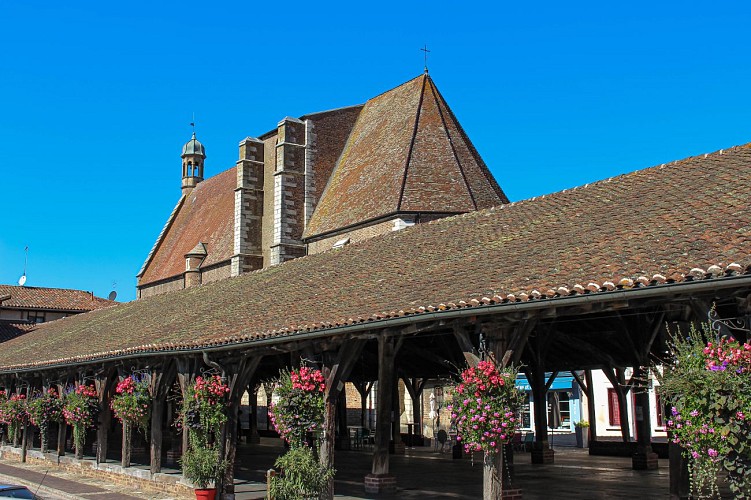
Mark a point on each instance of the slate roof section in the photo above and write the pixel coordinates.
(51, 299)
(406, 153)
(206, 215)
(636, 231)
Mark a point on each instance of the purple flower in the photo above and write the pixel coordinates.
(712, 452)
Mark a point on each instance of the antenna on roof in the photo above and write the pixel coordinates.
(22, 279)
(425, 49)
(113, 294)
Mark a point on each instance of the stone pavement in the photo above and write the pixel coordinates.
(421, 473)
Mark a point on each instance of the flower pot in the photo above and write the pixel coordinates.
(205, 494)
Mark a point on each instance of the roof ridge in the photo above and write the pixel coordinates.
(433, 91)
(50, 288)
(396, 87)
(411, 145)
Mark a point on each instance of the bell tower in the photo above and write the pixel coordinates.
(193, 156)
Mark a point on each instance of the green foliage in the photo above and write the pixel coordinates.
(204, 409)
(201, 464)
(44, 408)
(300, 409)
(132, 402)
(708, 385)
(582, 424)
(302, 476)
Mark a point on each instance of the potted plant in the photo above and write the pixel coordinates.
(203, 413)
(298, 418)
(582, 433)
(202, 466)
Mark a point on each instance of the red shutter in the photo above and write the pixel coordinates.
(614, 408)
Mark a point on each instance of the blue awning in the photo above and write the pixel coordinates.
(561, 382)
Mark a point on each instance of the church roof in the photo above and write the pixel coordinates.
(205, 215)
(407, 153)
(59, 299)
(681, 222)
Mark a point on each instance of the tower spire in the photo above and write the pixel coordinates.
(193, 156)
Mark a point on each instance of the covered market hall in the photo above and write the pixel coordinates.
(593, 278)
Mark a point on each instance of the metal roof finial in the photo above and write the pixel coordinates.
(425, 50)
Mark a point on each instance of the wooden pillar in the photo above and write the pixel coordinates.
(238, 378)
(541, 452)
(253, 436)
(186, 373)
(644, 458)
(127, 442)
(336, 370)
(379, 480)
(160, 380)
(24, 440)
(62, 427)
(341, 420)
(591, 410)
(268, 389)
(102, 384)
(396, 424)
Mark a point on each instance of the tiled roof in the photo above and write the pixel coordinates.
(12, 329)
(30, 297)
(685, 221)
(406, 153)
(206, 215)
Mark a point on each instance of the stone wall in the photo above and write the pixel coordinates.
(110, 472)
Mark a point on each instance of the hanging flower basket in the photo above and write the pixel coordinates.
(45, 408)
(131, 402)
(80, 409)
(485, 407)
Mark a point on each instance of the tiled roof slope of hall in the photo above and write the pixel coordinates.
(647, 227)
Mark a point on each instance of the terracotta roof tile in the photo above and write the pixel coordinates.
(30, 297)
(658, 222)
(12, 329)
(406, 153)
(206, 215)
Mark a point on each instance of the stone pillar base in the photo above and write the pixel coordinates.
(515, 494)
(644, 461)
(380, 483)
(543, 456)
(254, 438)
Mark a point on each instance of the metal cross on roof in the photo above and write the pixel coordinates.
(425, 49)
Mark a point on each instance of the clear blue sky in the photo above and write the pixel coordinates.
(97, 97)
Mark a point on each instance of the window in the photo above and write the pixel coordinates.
(36, 316)
(559, 409)
(524, 413)
(614, 408)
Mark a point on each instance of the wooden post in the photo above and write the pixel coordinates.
(591, 410)
(644, 458)
(24, 441)
(127, 438)
(160, 379)
(186, 373)
(492, 476)
(341, 419)
(103, 389)
(379, 480)
(336, 369)
(238, 381)
(62, 428)
(253, 436)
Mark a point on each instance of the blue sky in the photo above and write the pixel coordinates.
(97, 97)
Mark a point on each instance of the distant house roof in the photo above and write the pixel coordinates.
(681, 222)
(38, 298)
(407, 153)
(205, 215)
(12, 329)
